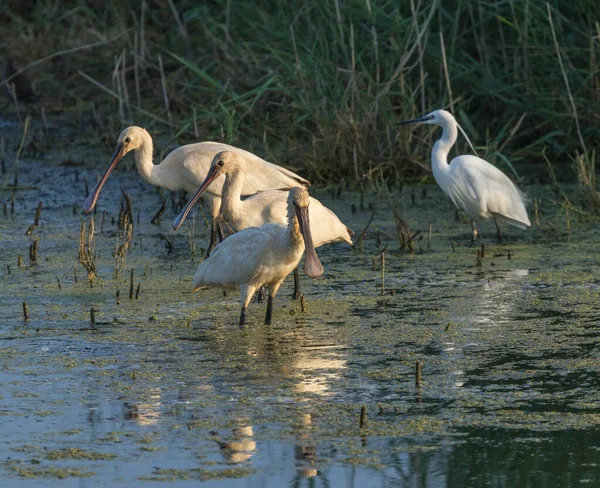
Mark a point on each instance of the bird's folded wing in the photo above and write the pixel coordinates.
(238, 259)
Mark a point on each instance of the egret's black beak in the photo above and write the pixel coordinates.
(90, 201)
(312, 265)
(212, 175)
(424, 118)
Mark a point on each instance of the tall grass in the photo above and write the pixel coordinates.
(318, 85)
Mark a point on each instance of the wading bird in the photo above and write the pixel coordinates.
(474, 185)
(269, 206)
(186, 168)
(263, 255)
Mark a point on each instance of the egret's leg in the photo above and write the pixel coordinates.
(242, 318)
(498, 229)
(297, 293)
(474, 230)
(273, 289)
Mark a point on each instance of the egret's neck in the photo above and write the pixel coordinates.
(439, 153)
(143, 161)
(232, 193)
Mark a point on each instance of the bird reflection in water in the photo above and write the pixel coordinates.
(241, 446)
(305, 452)
(147, 413)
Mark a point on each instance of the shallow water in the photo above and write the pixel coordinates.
(166, 388)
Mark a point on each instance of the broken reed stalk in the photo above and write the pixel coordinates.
(25, 311)
(44, 122)
(566, 79)
(19, 261)
(302, 303)
(38, 214)
(429, 237)
(195, 122)
(137, 290)
(418, 373)
(87, 253)
(128, 207)
(165, 93)
(446, 74)
(192, 234)
(131, 285)
(13, 92)
(33, 252)
(383, 272)
(156, 219)
(363, 417)
(124, 237)
(60, 53)
(93, 316)
(360, 238)
(20, 150)
(2, 154)
(478, 258)
(136, 68)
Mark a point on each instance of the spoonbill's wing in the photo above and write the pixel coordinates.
(239, 258)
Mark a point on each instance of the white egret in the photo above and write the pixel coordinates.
(474, 185)
(263, 255)
(186, 167)
(269, 206)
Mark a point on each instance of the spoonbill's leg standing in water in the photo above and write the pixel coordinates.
(263, 255)
(476, 186)
(186, 167)
(264, 207)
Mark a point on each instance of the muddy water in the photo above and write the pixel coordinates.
(166, 388)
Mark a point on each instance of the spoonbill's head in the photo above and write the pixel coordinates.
(130, 138)
(298, 200)
(223, 163)
(437, 117)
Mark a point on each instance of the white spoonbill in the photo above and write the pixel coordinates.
(269, 206)
(186, 167)
(474, 185)
(263, 255)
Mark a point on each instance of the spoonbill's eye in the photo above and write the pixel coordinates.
(127, 139)
(220, 163)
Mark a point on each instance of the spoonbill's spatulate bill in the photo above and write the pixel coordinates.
(269, 206)
(263, 255)
(186, 168)
(474, 185)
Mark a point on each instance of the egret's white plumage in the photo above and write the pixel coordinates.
(186, 167)
(264, 255)
(474, 185)
(269, 206)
